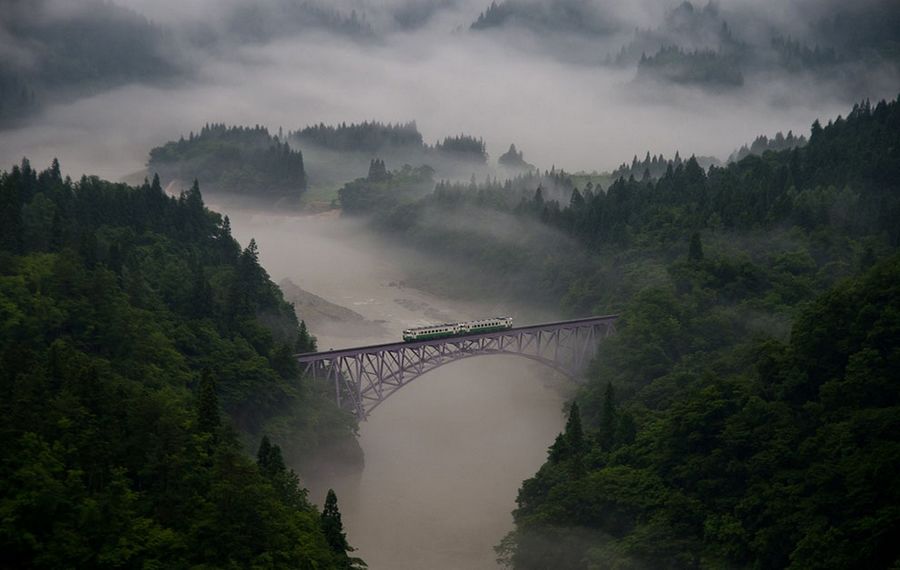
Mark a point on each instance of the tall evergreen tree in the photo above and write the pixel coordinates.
(333, 529)
(574, 431)
(608, 420)
(208, 418)
(270, 459)
(575, 441)
(695, 251)
(305, 341)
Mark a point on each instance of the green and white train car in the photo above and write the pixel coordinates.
(457, 329)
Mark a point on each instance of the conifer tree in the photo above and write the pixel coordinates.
(55, 172)
(208, 419)
(695, 252)
(269, 458)
(575, 442)
(608, 420)
(559, 451)
(201, 295)
(333, 529)
(574, 432)
(577, 200)
(155, 186)
(10, 216)
(305, 341)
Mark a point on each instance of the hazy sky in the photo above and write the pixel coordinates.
(448, 79)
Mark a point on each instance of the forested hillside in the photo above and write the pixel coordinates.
(712, 437)
(745, 415)
(143, 351)
(245, 162)
(361, 137)
(708, 447)
(92, 46)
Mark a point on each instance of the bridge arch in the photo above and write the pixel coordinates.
(365, 377)
(548, 363)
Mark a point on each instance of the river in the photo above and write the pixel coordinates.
(445, 456)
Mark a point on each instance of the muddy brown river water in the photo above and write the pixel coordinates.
(445, 456)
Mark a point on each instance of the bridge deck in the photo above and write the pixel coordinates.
(329, 354)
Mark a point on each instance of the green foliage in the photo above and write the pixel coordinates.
(514, 158)
(744, 413)
(208, 419)
(383, 191)
(704, 67)
(762, 144)
(75, 52)
(463, 146)
(334, 533)
(758, 454)
(717, 438)
(113, 380)
(236, 160)
(695, 251)
(362, 137)
(555, 16)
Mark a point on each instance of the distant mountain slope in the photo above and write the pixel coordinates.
(53, 50)
(244, 162)
(552, 16)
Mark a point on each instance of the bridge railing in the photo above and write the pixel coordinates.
(364, 377)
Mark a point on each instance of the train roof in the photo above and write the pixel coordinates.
(454, 324)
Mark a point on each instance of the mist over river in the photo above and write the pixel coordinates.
(444, 457)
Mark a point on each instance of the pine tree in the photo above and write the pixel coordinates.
(695, 252)
(577, 200)
(201, 304)
(55, 172)
(305, 341)
(208, 419)
(575, 442)
(155, 186)
(538, 200)
(263, 453)
(559, 451)
(574, 432)
(194, 199)
(10, 215)
(608, 420)
(269, 459)
(333, 529)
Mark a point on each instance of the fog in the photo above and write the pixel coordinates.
(444, 456)
(499, 85)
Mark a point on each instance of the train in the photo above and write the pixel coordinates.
(457, 329)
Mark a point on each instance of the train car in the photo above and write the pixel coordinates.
(457, 329)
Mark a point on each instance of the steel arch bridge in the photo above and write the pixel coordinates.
(366, 376)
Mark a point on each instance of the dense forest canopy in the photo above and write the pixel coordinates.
(361, 137)
(762, 143)
(463, 146)
(265, 20)
(141, 350)
(704, 67)
(745, 414)
(657, 165)
(95, 46)
(709, 440)
(245, 161)
(707, 45)
(560, 16)
(514, 159)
